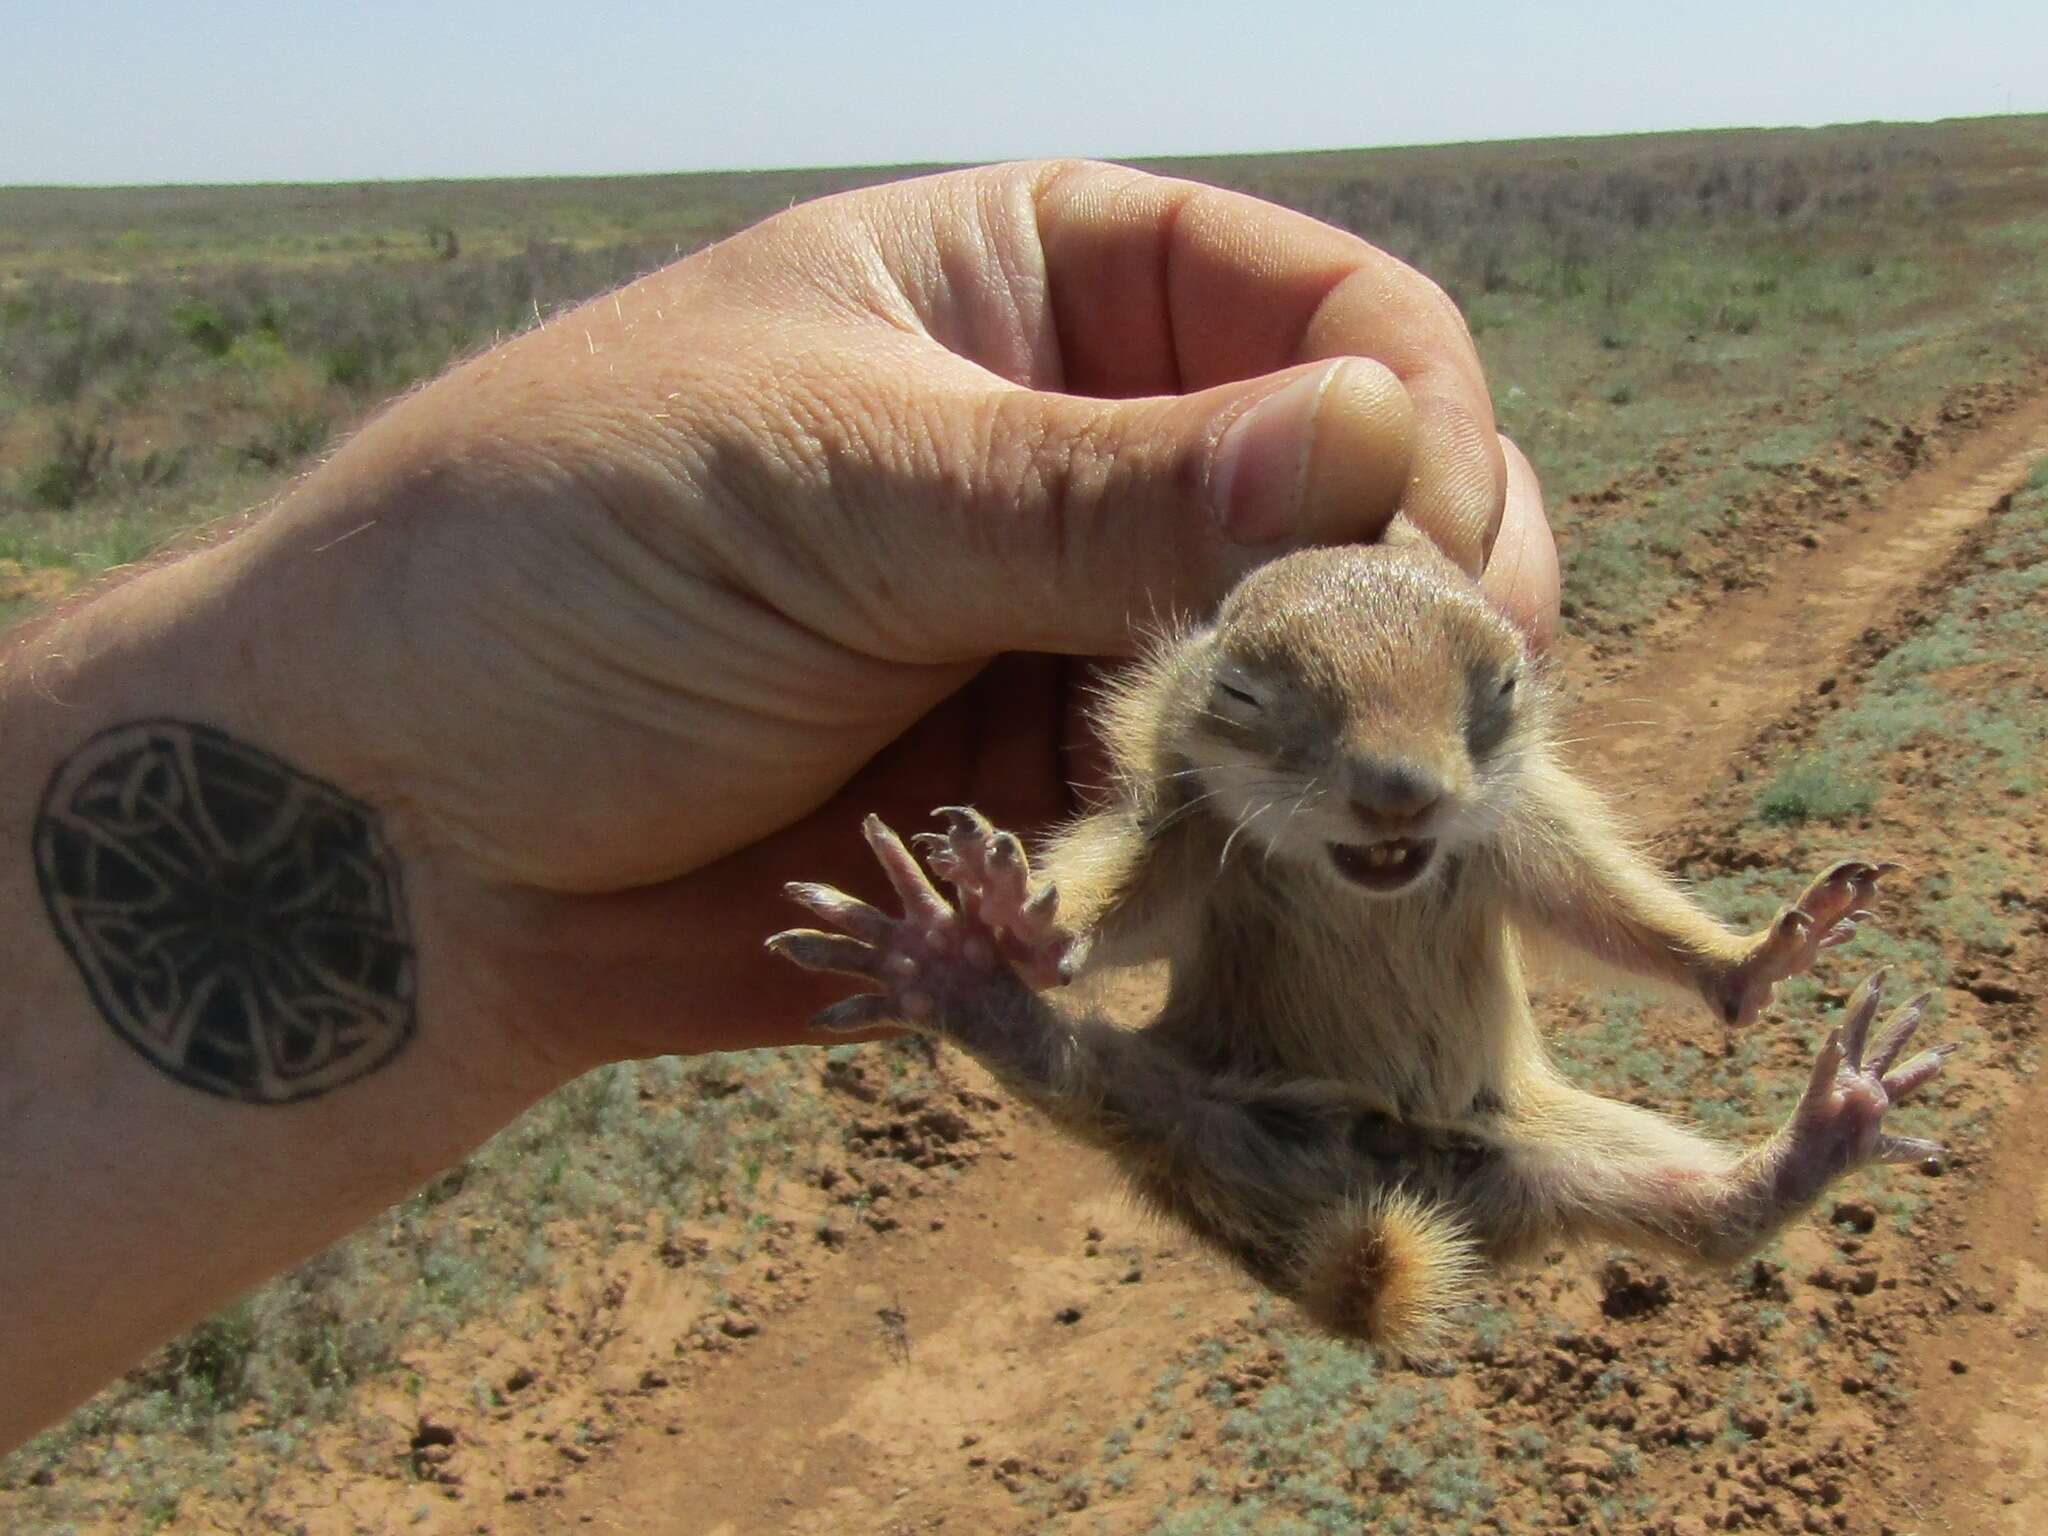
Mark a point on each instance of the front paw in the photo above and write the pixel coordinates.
(989, 870)
(1839, 1124)
(1825, 915)
(933, 963)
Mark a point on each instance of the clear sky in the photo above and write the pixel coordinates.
(299, 90)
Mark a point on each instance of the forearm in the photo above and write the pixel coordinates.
(174, 1126)
(1576, 877)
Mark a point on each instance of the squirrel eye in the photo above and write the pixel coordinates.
(1238, 694)
(1507, 684)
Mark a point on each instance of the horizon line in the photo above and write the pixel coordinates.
(951, 164)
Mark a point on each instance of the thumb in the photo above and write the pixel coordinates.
(1125, 512)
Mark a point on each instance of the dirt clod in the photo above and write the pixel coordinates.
(1626, 1290)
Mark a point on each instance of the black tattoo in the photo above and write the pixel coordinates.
(239, 923)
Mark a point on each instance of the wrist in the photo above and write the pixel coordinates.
(255, 642)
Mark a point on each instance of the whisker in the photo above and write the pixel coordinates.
(1223, 858)
(1183, 810)
(1293, 810)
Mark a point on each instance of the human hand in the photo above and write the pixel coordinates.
(623, 618)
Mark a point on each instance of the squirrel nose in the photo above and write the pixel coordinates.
(1391, 797)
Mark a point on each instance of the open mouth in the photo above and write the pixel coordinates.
(1386, 866)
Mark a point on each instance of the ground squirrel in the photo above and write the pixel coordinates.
(1338, 813)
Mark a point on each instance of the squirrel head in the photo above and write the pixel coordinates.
(1361, 709)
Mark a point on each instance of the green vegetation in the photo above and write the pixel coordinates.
(1815, 789)
(1647, 308)
(1987, 742)
(1331, 1443)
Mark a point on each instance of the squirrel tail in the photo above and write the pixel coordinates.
(1386, 1271)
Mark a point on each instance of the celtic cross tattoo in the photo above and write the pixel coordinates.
(239, 923)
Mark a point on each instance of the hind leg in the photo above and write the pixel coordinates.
(1580, 1164)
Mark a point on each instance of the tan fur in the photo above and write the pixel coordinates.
(1344, 1091)
(1386, 1271)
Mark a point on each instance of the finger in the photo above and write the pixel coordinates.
(1821, 1080)
(848, 913)
(1457, 484)
(1160, 285)
(816, 951)
(1006, 857)
(919, 900)
(1897, 1032)
(1863, 1005)
(1041, 911)
(1790, 930)
(1110, 515)
(969, 835)
(1916, 1074)
(1522, 572)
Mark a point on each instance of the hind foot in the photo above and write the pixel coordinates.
(1839, 1123)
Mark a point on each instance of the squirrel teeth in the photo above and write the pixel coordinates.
(1383, 866)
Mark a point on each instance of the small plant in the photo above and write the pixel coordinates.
(203, 324)
(77, 469)
(1815, 789)
(289, 436)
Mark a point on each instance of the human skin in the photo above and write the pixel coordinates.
(610, 631)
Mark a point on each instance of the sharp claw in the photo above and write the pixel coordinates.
(841, 910)
(816, 951)
(1906, 1149)
(961, 820)
(853, 1014)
